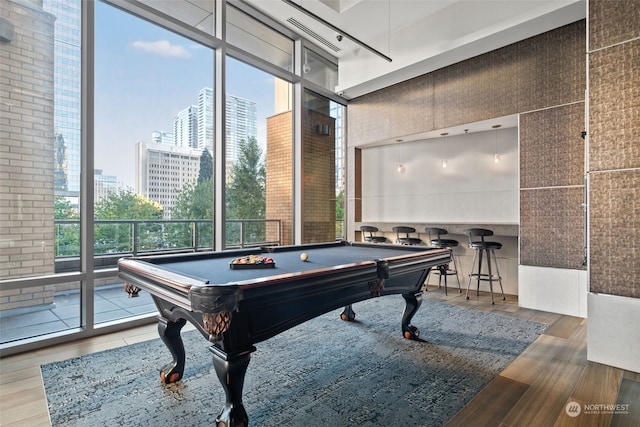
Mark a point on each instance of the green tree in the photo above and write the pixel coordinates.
(340, 205)
(206, 167)
(194, 201)
(246, 185)
(245, 196)
(62, 209)
(124, 205)
(67, 234)
(340, 214)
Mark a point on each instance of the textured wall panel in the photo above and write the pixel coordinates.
(614, 227)
(612, 22)
(552, 227)
(536, 73)
(614, 96)
(551, 148)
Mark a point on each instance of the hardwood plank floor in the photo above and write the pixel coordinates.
(533, 391)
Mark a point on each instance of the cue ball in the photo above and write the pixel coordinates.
(304, 256)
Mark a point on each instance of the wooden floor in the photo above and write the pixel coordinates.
(534, 390)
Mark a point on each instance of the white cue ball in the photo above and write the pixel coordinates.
(304, 256)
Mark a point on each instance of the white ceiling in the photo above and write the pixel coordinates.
(419, 36)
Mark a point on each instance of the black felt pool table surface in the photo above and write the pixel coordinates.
(215, 269)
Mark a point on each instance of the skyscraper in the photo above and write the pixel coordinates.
(241, 120)
(205, 119)
(67, 73)
(162, 137)
(185, 127)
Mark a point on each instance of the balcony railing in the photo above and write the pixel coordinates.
(116, 238)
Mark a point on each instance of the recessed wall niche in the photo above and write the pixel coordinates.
(472, 188)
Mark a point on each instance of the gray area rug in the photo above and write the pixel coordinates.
(325, 372)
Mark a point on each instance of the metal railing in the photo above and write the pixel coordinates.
(116, 238)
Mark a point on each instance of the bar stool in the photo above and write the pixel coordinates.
(368, 231)
(403, 238)
(436, 241)
(483, 247)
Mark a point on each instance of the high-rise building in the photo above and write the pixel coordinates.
(104, 184)
(185, 127)
(205, 118)
(241, 121)
(67, 73)
(59, 165)
(162, 137)
(163, 170)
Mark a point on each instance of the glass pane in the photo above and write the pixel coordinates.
(40, 145)
(257, 38)
(153, 147)
(320, 70)
(112, 302)
(195, 13)
(40, 310)
(322, 169)
(259, 157)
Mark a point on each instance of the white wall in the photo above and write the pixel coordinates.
(471, 189)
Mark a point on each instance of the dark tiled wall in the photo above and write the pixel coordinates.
(552, 152)
(614, 147)
(540, 72)
(552, 227)
(552, 172)
(543, 78)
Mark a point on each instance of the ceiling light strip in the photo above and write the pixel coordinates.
(313, 34)
(336, 29)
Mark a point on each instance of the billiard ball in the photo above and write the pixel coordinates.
(304, 256)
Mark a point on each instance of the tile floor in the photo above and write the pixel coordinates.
(111, 303)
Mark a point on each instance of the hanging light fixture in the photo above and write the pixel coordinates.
(400, 166)
(444, 162)
(496, 156)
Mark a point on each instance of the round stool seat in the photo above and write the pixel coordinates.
(409, 241)
(444, 243)
(485, 245)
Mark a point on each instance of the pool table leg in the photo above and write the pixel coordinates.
(348, 315)
(170, 333)
(231, 370)
(413, 301)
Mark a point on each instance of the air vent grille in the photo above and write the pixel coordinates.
(313, 34)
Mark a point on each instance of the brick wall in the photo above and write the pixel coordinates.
(318, 178)
(279, 164)
(26, 156)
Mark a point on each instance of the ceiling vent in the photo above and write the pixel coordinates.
(313, 34)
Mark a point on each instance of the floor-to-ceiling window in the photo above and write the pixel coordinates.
(113, 125)
(258, 137)
(40, 172)
(153, 145)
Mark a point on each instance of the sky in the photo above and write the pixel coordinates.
(144, 75)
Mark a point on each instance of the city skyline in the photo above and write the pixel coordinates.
(144, 75)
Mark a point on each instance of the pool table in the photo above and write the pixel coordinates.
(237, 307)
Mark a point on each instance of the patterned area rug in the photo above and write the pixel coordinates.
(325, 372)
